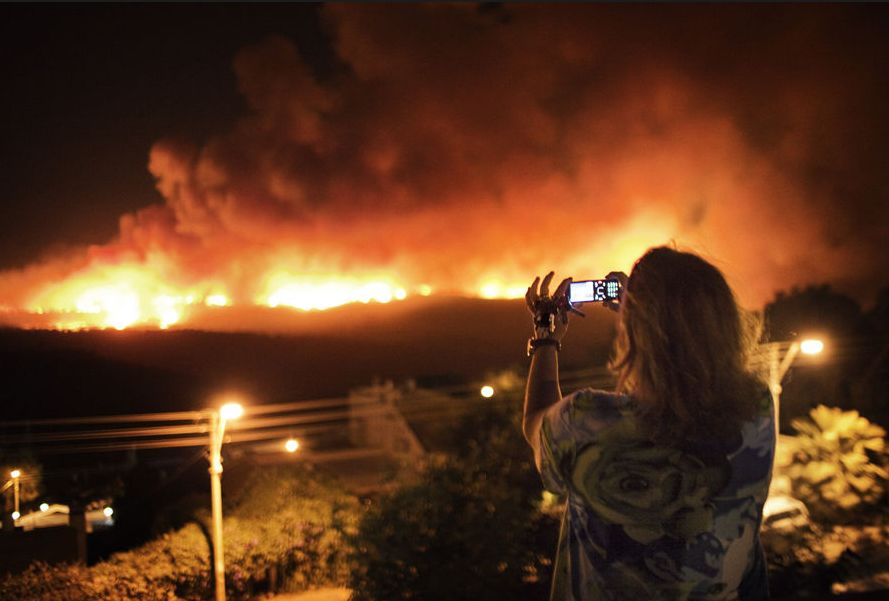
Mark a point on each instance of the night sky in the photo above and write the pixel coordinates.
(89, 89)
(448, 145)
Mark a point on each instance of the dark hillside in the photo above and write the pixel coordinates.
(46, 373)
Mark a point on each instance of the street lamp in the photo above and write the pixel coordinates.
(16, 474)
(779, 365)
(218, 419)
(292, 445)
(487, 391)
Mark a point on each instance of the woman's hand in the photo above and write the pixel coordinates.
(550, 313)
(621, 277)
(550, 324)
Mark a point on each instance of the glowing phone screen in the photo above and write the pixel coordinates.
(592, 291)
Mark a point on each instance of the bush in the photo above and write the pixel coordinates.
(837, 462)
(816, 560)
(295, 522)
(287, 532)
(467, 527)
(837, 466)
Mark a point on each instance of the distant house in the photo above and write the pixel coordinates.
(50, 535)
(57, 514)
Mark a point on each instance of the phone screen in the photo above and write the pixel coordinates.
(592, 291)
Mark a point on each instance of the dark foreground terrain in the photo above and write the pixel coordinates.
(436, 341)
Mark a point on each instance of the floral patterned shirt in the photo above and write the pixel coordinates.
(651, 522)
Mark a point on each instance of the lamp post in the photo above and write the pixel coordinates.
(15, 475)
(779, 365)
(218, 419)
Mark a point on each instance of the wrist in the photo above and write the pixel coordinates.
(540, 333)
(534, 344)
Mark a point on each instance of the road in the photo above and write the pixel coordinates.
(324, 594)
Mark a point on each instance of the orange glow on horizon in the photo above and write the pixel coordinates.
(319, 293)
(147, 295)
(494, 289)
(217, 300)
(127, 296)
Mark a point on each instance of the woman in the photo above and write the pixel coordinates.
(665, 479)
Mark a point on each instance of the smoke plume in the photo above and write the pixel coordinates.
(467, 149)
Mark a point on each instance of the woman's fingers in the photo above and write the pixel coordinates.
(620, 276)
(540, 289)
(561, 296)
(562, 289)
(531, 294)
(544, 286)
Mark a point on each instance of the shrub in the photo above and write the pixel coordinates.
(296, 522)
(287, 524)
(814, 560)
(467, 527)
(836, 463)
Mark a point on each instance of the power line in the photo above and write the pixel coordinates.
(98, 434)
(342, 409)
(108, 419)
(192, 441)
(349, 409)
(354, 408)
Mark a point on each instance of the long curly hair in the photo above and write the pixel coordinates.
(683, 349)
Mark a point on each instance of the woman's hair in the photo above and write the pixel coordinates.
(682, 349)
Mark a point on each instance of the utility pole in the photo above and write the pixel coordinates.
(16, 474)
(216, 505)
(218, 419)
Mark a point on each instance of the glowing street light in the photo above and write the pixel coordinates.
(218, 419)
(487, 391)
(108, 512)
(778, 366)
(44, 507)
(292, 445)
(231, 411)
(811, 346)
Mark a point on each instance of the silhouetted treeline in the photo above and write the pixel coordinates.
(853, 370)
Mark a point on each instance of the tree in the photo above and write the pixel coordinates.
(839, 319)
(467, 527)
(874, 382)
(814, 309)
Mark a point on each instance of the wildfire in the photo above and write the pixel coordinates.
(129, 296)
(122, 297)
(217, 300)
(327, 192)
(497, 289)
(329, 292)
(156, 292)
(118, 297)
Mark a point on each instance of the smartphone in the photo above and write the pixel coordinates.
(593, 291)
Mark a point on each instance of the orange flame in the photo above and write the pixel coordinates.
(115, 297)
(327, 292)
(131, 294)
(125, 296)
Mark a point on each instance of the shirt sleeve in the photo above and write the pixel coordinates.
(557, 446)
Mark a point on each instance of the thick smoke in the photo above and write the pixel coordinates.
(454, 145)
